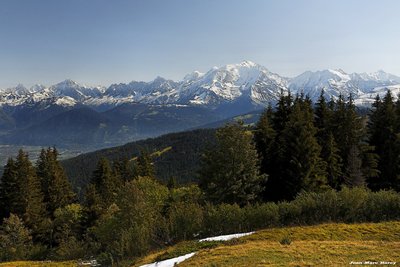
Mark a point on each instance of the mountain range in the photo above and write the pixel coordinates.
(69, 113)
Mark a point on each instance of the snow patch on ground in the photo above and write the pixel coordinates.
(225, 237)
(170, 262)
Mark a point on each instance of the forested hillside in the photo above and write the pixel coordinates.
(175, 155)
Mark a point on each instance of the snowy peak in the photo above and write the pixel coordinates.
(336, 82)
(245, 82)
(74, 90)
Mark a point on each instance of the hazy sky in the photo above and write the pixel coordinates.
(103, 41)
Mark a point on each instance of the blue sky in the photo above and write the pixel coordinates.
(102, 41)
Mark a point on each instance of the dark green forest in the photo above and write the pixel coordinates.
(302, 163)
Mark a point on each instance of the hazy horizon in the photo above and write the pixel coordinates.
(102, 42)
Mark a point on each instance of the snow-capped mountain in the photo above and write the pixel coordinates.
(336, 82)
(245, 82)
(230, 83)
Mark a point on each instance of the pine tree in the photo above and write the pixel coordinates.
(230, 171)
(330, 154)
(55, 185)
(283, 110)
(144, 165)
(124, 169)
(354, 176)
(303, 169)
(105, 182)
(30, 205)
(8, 189)
(383, 137)
(264, 136)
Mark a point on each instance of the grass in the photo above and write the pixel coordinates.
(39, 264)
(320, 245)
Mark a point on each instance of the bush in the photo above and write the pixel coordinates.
(261, 216)
(382, 206)
(185, 220)
(223, 219)
(285, 240)
(352, 204)
(289, 213)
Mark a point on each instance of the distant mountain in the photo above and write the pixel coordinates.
(244, 86)
(126, 112)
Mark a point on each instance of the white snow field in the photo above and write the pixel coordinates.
(170, 262)
(225, 237)
(173, 261)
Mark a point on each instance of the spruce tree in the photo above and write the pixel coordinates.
(354, 176)
(9, 189)
(144, 166)
(383, 137)
(55, 185)
(330, 154)
(30, 205)
(105, 182)
(229, 172)
(283, 110)
(264, 136)
(303, 169)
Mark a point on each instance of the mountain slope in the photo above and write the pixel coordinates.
(180, 161)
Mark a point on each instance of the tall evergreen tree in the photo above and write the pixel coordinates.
(264, 136)
(303, 167)
(283, 110)
(330, 154)
(144, 166)
(383, 136)
(105, 182)
(55, 185)
(9, 191)
(30, 205)
(354, 176)
(230, 171)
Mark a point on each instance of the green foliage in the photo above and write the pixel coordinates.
(15, 239)
(57, 191)
(30, 205)
(185, 220)
(303, 169)
(9, 189)
(130, 226)
(286, 241)
(230, 171)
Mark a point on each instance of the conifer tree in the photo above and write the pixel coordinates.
(105, 182)
(283, 110)
(303, 169)
(354, 176)
(264, 136)
(330, 154)
(229, 172)
(144, 165)
(30, 205)
(383, 137)
(55, 185)
(9, 189)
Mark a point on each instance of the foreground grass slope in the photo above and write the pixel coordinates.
(321, 245)
(38, 264)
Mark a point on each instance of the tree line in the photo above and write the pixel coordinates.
(301, 164)
(299, 146)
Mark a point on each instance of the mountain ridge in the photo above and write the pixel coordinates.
(231, 83)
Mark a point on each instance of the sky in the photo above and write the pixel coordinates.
(100, 42)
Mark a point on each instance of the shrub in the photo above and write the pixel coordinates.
(382, 206)
(223, 219)
(261, 216)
